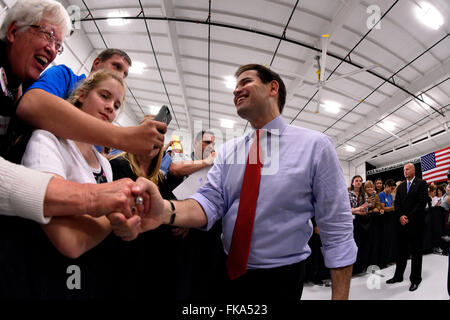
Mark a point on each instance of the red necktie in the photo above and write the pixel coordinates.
(242, 233)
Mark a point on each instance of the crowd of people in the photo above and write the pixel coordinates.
(64, 203)
(376, 225)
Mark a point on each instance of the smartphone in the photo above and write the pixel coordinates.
(163, 115)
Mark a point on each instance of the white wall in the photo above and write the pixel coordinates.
(126, 117)
(350, 170)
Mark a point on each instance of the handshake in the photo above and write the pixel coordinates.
(126, 203)
(136, 207)
(131, 207)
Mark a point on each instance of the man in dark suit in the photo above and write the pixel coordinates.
(410, 201)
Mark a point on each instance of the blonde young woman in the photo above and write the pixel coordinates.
(100, 95)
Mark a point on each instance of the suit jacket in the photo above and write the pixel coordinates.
(412, 204)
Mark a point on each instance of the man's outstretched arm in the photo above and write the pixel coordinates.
(43, 110)
(187, 213)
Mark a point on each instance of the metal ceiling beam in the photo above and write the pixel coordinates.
(263, 33)
(425, 130)
(106, 46)
(83, 65)
(438, 73)
(342, 15)
(365, 129)
(173, 37)
(156, 61)
(427, 127)
(283, 35)
(345, 60)
(402, 88)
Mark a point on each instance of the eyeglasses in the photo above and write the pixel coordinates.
(50, 37)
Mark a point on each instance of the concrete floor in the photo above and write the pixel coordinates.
(373, 286)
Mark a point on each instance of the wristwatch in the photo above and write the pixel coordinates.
(173, 215)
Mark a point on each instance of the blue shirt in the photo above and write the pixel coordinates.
(165, 163)
(58, 80)
(387, 199)
(301, 178)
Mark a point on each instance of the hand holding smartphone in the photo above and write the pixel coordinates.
(163, 115)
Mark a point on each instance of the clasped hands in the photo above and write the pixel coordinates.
(404, 220)
(141, 215)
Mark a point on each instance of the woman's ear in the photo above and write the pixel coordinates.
(82, 97)
(12, 32)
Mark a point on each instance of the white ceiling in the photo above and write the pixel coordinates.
(190, 59)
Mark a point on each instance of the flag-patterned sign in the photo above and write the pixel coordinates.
(435, 165)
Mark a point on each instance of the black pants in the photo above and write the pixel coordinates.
(282, 284)
(410, 239)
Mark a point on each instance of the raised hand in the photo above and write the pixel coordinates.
(210, 159)
(144, 138)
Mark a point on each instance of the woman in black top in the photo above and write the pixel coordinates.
(147, 266)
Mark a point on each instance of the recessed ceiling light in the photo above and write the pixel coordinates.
(350, 148)
(230, 82)
(137, 67)
(226, 123)
(429, 15)
(331, 106)
(154, 109)
(387, 125)
(115, 18)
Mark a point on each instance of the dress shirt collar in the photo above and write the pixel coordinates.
(410, 180)
(275, 127)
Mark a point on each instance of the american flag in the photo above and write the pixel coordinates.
(435, 165)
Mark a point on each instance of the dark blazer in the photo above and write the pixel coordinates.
(412, 204)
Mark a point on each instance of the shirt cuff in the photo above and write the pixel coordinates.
(209, 209)
(27, 199)
(340, 255)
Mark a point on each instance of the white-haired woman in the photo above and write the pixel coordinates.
(30, 54)
(31, 36)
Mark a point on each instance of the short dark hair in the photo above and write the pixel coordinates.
(108, 53)
(200, 134)
(266, 75)
(389, 183)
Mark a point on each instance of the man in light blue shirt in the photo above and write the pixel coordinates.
(301, 178)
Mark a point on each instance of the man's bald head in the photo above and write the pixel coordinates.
(409, 171)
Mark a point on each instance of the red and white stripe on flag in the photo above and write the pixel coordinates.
(435, 165)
